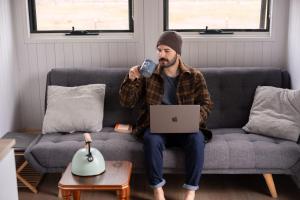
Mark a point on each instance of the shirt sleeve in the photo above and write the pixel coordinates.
(130, 91)
(203, 98)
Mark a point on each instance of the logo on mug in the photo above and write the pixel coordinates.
(174, 119)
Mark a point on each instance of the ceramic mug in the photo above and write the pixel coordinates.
(147, 68)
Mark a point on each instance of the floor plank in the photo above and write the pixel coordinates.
(212, 187)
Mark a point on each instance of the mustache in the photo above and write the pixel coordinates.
(163, 59)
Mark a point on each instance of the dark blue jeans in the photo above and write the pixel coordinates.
(193, 147)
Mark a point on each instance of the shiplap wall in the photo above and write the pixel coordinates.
(8, 64)
(294, 43)
(36, 58)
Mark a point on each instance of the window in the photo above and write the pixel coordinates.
(56, 16)
(230, 15)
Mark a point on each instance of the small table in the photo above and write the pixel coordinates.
(26, 176)
(116, 177)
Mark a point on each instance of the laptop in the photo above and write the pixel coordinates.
(174, 118)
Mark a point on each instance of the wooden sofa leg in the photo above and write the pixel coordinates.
(271, 185)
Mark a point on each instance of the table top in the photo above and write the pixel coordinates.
(117, 175)
(5, 146)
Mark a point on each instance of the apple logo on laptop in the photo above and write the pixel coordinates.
(174, 119)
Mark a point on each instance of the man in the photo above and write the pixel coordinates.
(172, 82)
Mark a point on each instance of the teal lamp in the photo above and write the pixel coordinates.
(88, 161)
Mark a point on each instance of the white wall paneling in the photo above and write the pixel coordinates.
(59, 54)
(193, 54)
(131, 57)
(257, 53)
(114, 53)
(43, 69)
(151, 26)
(37, 56)
(86, 55)
(78, 54)
(202, 53)
(294, 43)
(9, 73)
(69, 55)
(34, 84)
(267, 54)
(221, 53)
(104, 54)
(249, 54)
(95, 55)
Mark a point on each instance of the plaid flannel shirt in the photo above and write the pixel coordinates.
(191, 90)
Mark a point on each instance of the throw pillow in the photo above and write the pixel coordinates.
(275, 112)
(71, 109)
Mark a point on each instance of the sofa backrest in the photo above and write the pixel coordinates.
(232, 91)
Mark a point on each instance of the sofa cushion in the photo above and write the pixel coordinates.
(54, 151)
(112, 78)
(229, 149)
(73, 109)
(233, 149)
(275, 112)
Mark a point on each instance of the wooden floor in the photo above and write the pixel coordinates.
(213, 187)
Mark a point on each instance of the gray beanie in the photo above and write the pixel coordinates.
(171, 39)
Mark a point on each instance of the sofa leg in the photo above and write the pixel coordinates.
(271, 185)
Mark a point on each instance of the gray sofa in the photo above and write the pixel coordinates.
(231, 150)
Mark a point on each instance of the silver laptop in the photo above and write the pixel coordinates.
(174, 118)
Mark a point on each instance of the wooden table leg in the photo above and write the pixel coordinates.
(66, 194)
(128, 193)
(122, 194)
(76, 195)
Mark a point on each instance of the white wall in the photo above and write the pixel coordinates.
(37, 57)
(8, 71)
(294, 43)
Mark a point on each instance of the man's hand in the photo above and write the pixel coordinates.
(134, 73)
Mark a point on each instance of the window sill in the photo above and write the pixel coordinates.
(237, 36)
(62, 38)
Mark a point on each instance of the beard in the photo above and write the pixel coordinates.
(165, 63)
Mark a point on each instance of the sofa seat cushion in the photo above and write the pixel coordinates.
(234, 149)
(54, 151)
(229, 149)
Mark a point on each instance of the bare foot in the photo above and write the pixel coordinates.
(189, 195)
(159, 194)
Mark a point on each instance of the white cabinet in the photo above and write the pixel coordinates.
(8, 180)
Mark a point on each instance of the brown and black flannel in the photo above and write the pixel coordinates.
(191, 90)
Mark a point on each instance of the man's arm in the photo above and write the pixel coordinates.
(203, 98)
(131, 89)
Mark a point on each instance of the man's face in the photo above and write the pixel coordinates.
(166, 56)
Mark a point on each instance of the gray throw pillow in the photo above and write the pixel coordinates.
(275, 112)
(71, 109)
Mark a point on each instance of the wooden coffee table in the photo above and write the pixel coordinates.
(116, 177)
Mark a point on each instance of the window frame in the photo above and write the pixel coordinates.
(267, 29)
(33, 21)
